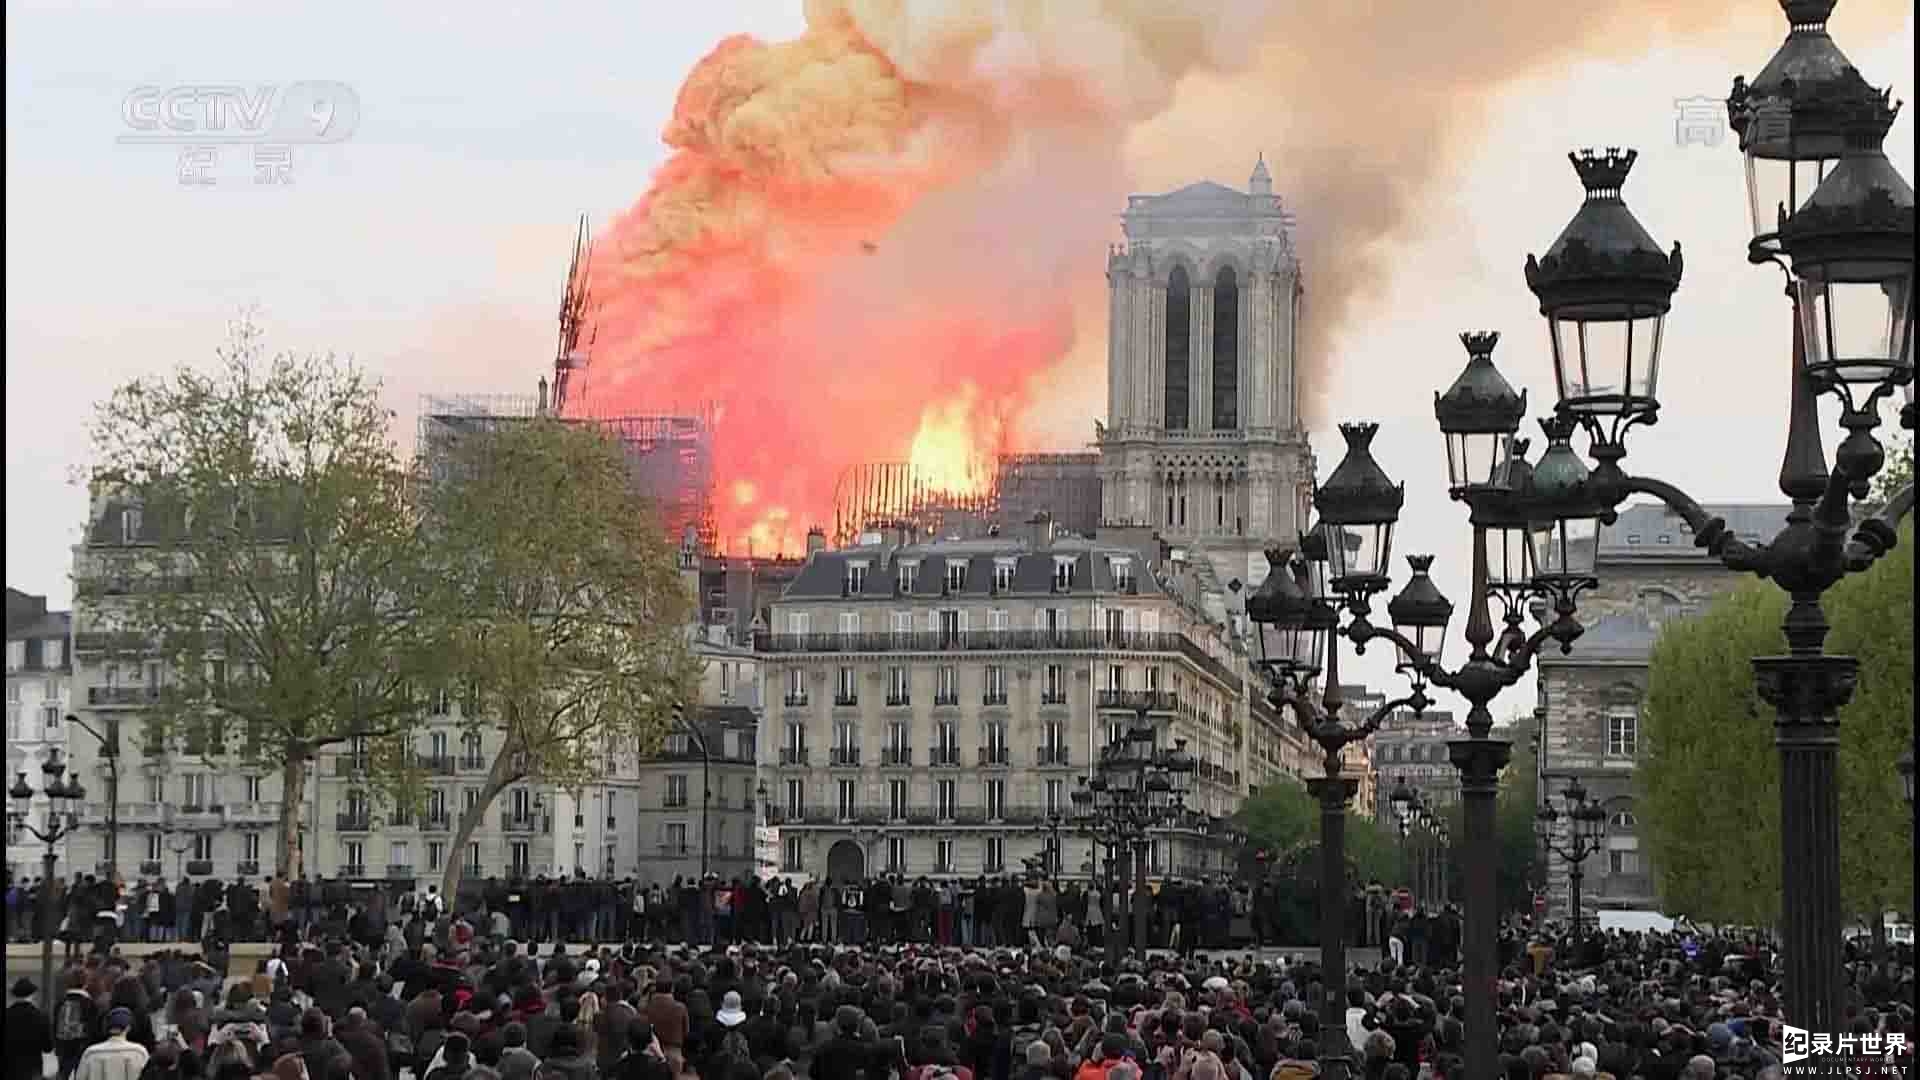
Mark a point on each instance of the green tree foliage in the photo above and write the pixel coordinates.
(562, 604)
(259, 551)
(1709, 775)
(1519, 869)
(1896, 474)
(1284, 821)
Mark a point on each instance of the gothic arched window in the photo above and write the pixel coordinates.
(1226, 350)
(1179, 332)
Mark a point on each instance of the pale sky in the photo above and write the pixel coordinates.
(430, 244)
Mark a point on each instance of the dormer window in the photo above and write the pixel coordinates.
(856, 578)
(1122, 574)
(909, 573)
(1003, 574)
(956, 576)
(129, 525)
(1062, 574)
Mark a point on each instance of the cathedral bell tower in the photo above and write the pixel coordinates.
(1203, 441)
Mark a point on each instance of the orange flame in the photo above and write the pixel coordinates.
(947, 452)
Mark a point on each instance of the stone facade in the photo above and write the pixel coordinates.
(1414, 749)
(182, 812)
(1650, 574)
(1203, 440)
(39, 676)
(933, 705)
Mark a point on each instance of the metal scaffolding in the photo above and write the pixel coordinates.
(1066, 486)
(669, 457)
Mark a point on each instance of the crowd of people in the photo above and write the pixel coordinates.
(983, 911)
(458, 995)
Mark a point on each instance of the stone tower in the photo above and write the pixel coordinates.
(1203, 442)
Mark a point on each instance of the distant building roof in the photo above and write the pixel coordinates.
(1652, 532)
(28, 617)
(1628, 636)
(825, 575)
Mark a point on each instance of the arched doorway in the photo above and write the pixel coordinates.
(846, 862)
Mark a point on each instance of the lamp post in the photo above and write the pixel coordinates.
(1586, 828)
(1137, 786)
(180, 848)
(1605, 288)
(1404, 801)
(63, 793)
(1298, 606)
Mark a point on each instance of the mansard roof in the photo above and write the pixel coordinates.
(825, 574)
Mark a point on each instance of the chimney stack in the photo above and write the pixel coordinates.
(1040, 531)
(540, 409)
(816, 540)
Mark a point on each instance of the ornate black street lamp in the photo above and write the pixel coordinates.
(1849, 250)
(63, 793)
(1586, 830)
(1137, 787)
(1342, 562)
(1534, 532)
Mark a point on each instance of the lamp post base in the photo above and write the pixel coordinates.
(1333, 793)
(1807, 692)
(1479, 761)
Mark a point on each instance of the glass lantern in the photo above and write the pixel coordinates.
(1566, 529)
(1785, 118)
(1420, 614)
(1605, 289)
(1851, 250)
(1358, 508)
(1478, 415)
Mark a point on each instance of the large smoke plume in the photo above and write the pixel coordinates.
(873, 241)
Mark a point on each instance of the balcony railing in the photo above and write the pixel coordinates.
(436, 764)
(1138, 700)
(796, 701)
(247, 868)
(896, 755)
(151, 868)
(844, 756)
(995, 755)
(472, 763)
(122, 695)
(1052, 757)
(511, 822)
(899, 701)
(354, 870)
(250, 813)
(793, 755)
(944, 757)
(947, 699)
(846, 700)
(993, 698)
(353, 821)
(1053, 697)
(674, 802)
(436, 821)
(399, 869)
(936, 641)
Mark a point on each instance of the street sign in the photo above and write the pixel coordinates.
(1540, 904)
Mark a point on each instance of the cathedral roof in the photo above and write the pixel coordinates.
(1204, 197)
